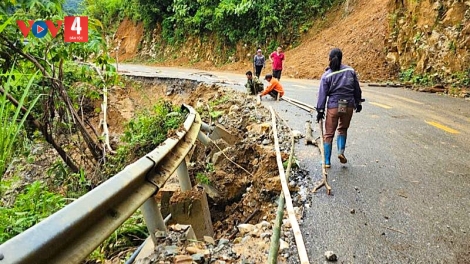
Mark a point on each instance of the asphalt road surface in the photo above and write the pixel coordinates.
(403, 197)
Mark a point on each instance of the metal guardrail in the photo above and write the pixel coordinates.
(72, 233)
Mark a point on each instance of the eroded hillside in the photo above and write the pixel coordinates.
(424, 41)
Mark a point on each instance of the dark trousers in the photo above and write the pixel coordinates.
(335, 121)
(274, 94)
(277, 74)
(258, 70)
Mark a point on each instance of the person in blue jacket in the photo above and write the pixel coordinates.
(339, 84)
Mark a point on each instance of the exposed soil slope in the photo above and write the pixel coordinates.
(358, 27)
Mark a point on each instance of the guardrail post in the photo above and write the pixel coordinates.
(183, 176)
(205, 140)
(153, 217)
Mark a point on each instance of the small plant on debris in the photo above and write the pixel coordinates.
(202, 178)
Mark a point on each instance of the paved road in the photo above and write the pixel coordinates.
(408, 176)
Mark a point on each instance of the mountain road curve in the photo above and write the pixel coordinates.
(403, 196)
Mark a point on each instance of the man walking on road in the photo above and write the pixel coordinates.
(277, 59)
(340, 84)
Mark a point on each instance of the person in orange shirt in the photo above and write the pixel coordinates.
(274, 88)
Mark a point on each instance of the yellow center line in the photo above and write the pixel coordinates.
(301, 86)
(440, 126)
(380, 105)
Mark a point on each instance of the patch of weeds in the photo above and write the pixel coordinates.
(202, 178)
(210, 167)
(216, 114)
(31, 206)
(144, 133)
(219, 101)
(461, 78)
(407, 75)
(295, 163)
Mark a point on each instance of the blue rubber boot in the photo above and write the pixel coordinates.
(341, 147)
(327, 152)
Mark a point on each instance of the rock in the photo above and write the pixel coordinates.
(296, 134)
(330, 256)
(245, 239)
(352, 211)
(263, 224)
(199, 258)
(183, 259)
(286, 223)
(234, 109)
(265, 235)
(283, 245)
(160, 234)
(266, 142)
(209, 240)
(245, 228)
(223, 241)
(193, 250)
(171, 250)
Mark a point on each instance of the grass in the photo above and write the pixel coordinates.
(11, 121)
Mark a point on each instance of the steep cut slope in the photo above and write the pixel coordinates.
(359, 28)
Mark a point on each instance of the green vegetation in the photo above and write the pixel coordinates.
(67, 80)
(202, 178)
(144, 133)
(264, 23)
(129, 235)
(35, 203)
(409, 75)
(10, 121)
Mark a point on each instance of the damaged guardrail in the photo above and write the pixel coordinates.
(72, 233)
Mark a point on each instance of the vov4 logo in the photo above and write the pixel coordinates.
(75, 28)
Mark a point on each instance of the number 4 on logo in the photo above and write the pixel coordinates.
(76, 29)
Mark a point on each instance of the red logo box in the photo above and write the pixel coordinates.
(76, 29)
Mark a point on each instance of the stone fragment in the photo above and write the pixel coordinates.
(209, 240)
(265, 235)
(330, 256)
(286, 223)
(171, 250)
(192, 250)
(223, 241)
(245, 228)
(183, 259)
(283, 245)
(198, 258)
(263, 225)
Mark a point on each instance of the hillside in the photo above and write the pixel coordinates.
(424, 42)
